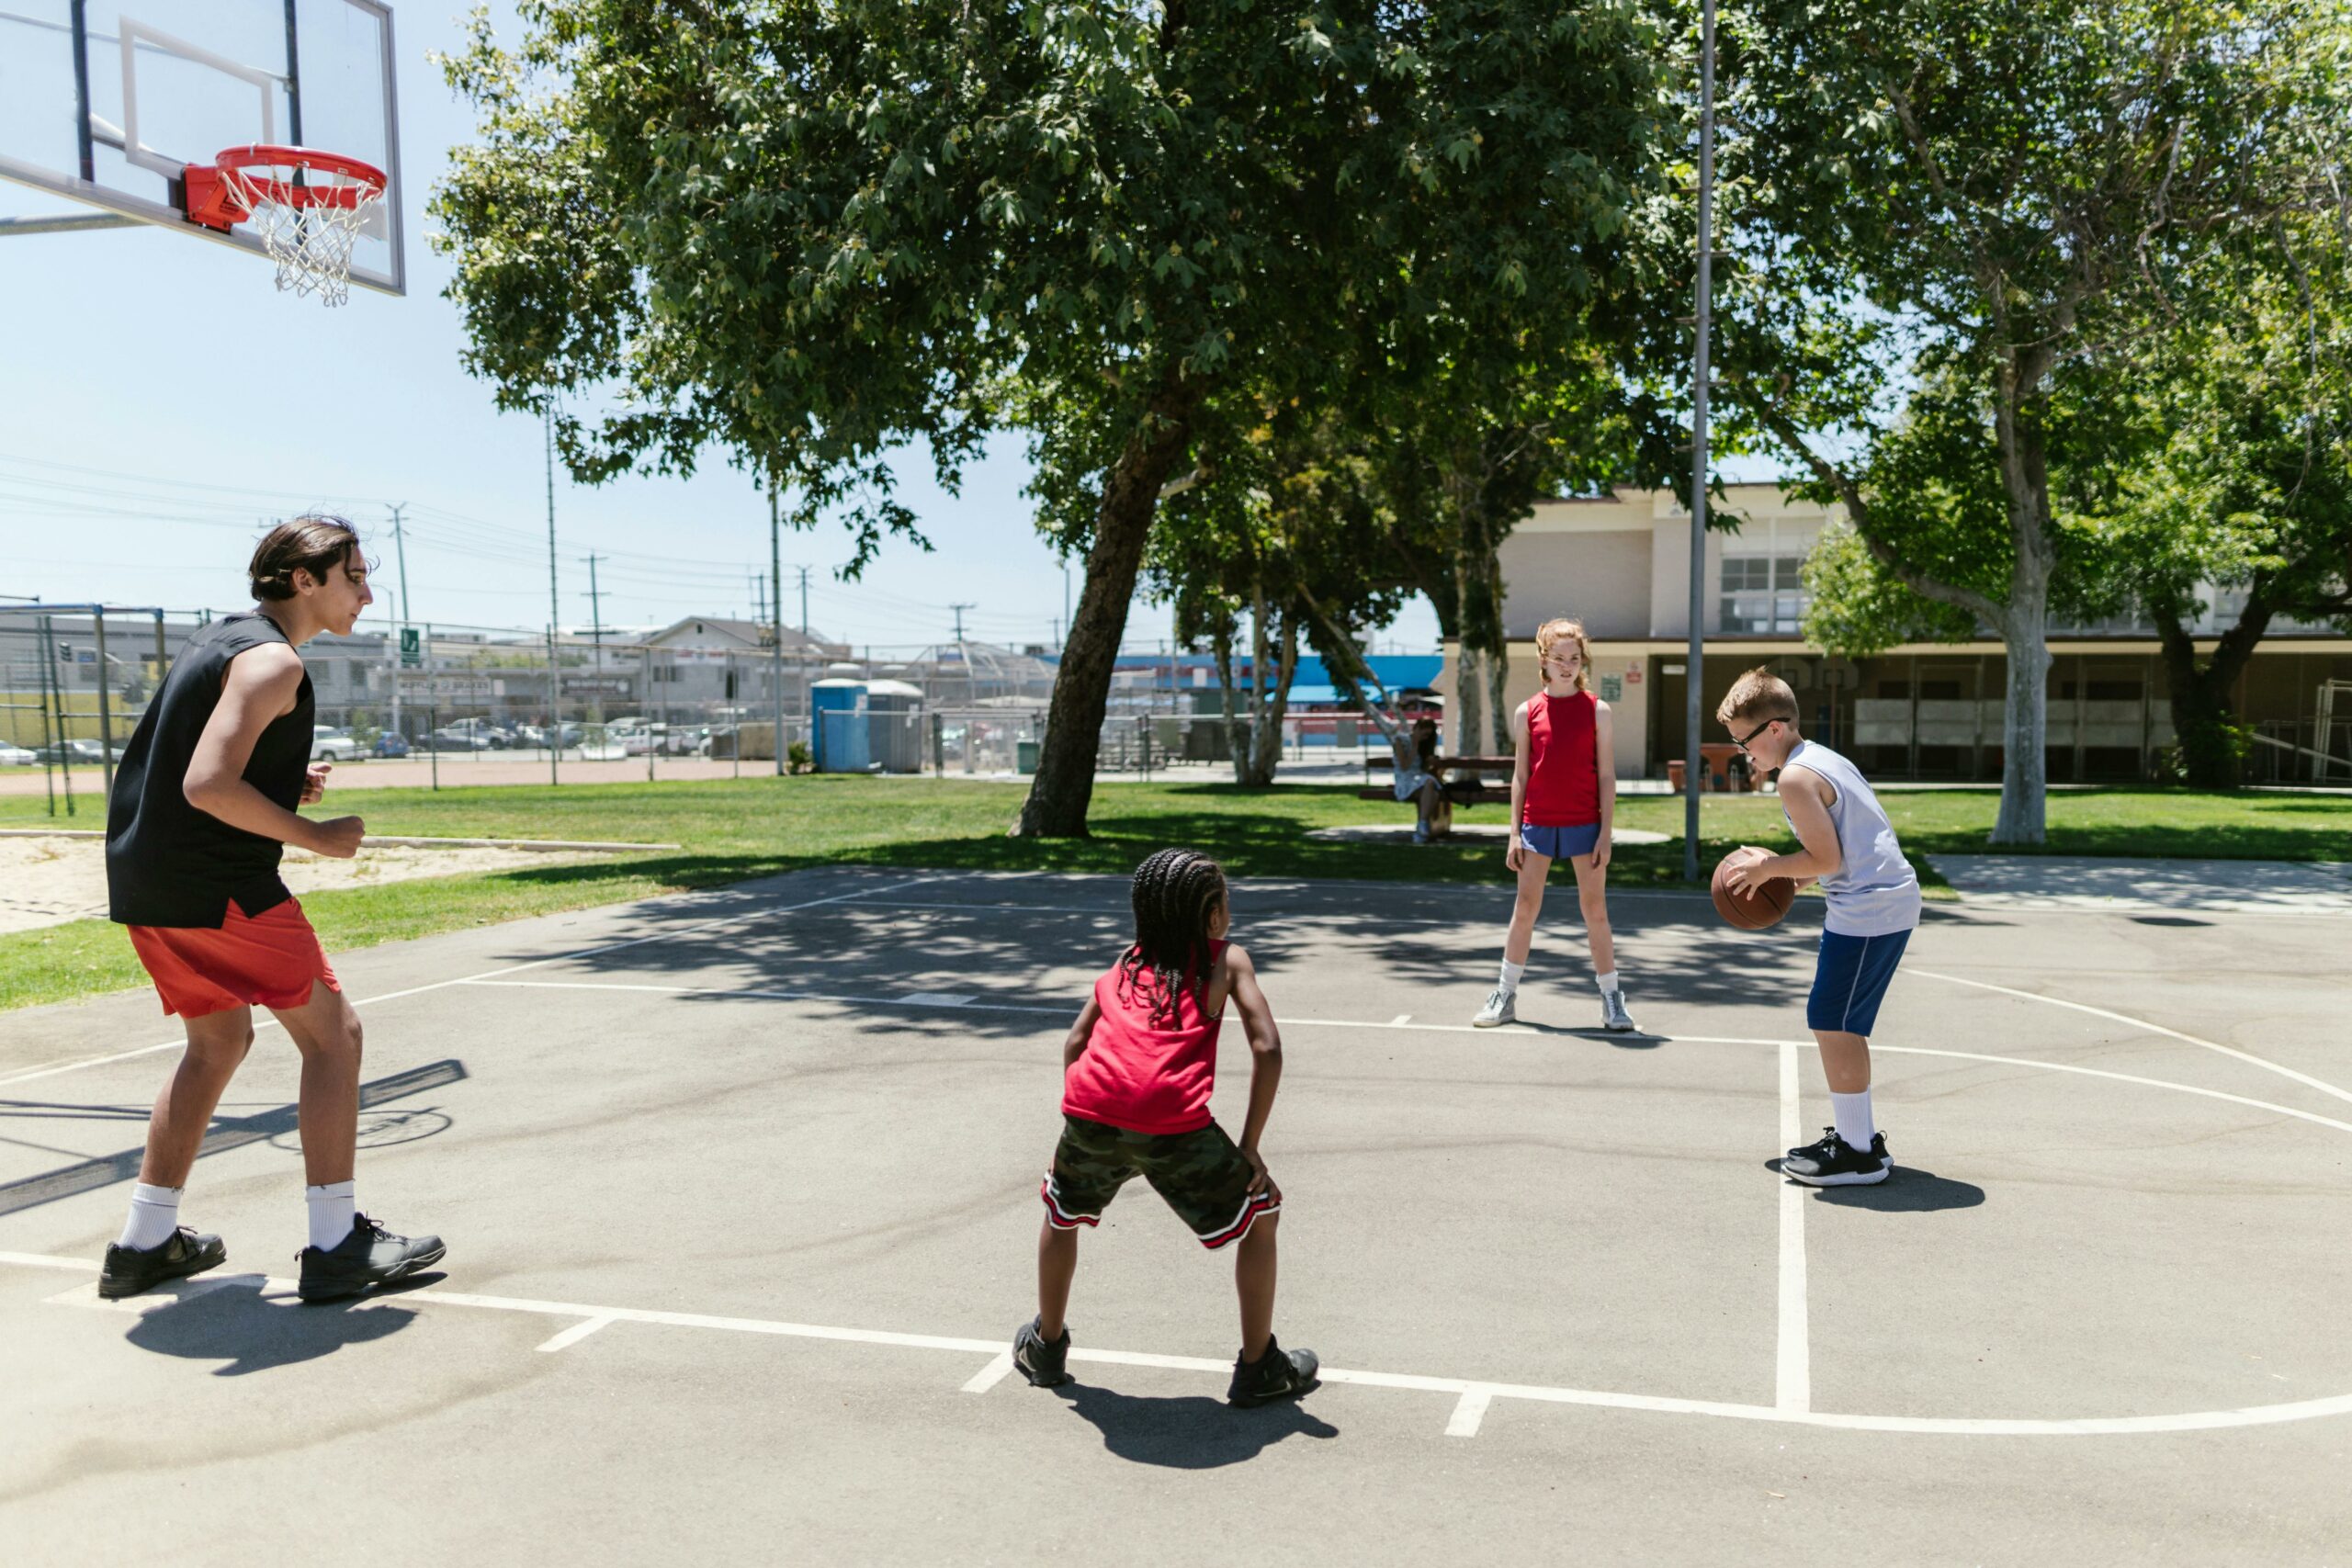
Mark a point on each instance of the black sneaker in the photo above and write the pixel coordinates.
(370, 1255)
(131, 1269)
(1042, 1360)
(1277, 1374)
(1834, 1162)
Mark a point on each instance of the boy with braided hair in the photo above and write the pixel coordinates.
(1136, 1071)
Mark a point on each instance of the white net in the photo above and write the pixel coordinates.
(308, 229)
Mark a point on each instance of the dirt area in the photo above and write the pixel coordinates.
(46, 882)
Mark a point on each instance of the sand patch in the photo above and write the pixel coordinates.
(46, 882)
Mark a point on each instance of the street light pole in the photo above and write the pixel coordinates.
(775, 604)
(1694, 766)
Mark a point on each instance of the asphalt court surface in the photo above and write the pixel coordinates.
(739, 1193)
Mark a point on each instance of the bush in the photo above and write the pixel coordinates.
(797, 758)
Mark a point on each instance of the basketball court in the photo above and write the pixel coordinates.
(740, 1196)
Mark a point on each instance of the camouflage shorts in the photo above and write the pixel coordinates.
(1201, 1175)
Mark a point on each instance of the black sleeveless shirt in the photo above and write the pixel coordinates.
(169, 864)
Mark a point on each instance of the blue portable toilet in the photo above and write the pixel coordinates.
(837, 726)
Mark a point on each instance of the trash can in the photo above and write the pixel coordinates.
(1024, 756)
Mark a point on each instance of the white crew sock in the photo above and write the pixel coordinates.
(154, 1215)
(1511, 972)
(1608, 983)
(1851, 1113)
(332, 1207)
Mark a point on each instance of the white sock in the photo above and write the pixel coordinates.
(1608, 983)
(154, 1215)
(1851, 1113)
(332, 1207)
(1511, 972)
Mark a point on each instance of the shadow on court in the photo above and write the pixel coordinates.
(1188, 1431)
(232, 1321)
(1909, 1190)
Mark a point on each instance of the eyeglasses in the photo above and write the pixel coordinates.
(1743, 741)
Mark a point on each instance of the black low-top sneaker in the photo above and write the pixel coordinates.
(1277, 1374)
(131, 1269)
(370, 1255)
(1831, 1161)
(1045, 1362)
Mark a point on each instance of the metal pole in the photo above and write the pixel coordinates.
(776, 593)
(1693, 669)
(106, 706)
(400, 548)
(432, 703)
(555, 601)
(57, 693)
(554, 713)
(42, 660)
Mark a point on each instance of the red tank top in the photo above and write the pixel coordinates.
(1563, 767)
(1144, 1075)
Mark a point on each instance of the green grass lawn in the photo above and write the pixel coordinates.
(730, 830)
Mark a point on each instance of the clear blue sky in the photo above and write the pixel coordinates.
(162, 397)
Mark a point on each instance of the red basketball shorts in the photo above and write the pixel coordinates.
(267, 960)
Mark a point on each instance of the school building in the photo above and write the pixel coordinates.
(1927, 711)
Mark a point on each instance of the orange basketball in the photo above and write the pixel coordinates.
(1759, 907)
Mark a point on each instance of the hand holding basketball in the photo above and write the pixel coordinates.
(1745, 899)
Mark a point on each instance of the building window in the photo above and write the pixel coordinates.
(1763, 594)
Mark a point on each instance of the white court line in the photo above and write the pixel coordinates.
(573, 1334)
(51, 1069)
(2078, 1426)
(2285, 1072)
(981, 1006)
(988, 1377)
(1401, 1018)
(1792, 1360)
(1469, 1411)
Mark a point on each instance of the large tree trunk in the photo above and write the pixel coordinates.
(2025, 619)
(2204, 706)
(1236, 746)
(1065, 780)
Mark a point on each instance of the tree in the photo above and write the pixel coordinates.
(1985, 199)
(811, 231)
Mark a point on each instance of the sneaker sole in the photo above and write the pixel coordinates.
(343, 1291)
(1491, 1022)
(115, 1292)
(1040, 1380)
(1844, 1179)
(1252, 1402)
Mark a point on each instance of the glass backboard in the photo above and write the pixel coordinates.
(109, 101)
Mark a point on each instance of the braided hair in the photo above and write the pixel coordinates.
(1175, 891)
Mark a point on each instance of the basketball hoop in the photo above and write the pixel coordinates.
(307, 208)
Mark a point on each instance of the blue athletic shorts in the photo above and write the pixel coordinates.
(1560, 843)
(1850, 978)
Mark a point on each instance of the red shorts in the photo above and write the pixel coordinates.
(269, 960)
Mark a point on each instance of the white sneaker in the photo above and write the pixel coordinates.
(1498, 1008)
(1612, 1013)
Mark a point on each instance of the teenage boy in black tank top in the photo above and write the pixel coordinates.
(203, 804)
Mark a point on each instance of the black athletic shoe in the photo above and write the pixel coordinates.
(1834, 1162)
(370, 1255)
(1277, 1374)
(130, 1269)
(1045, 1362)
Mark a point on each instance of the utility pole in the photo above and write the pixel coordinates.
(596, 636)
(803, 599)
(959, 610)
(1693, 769)
(776, 596)
(400, 550)
(555, 601)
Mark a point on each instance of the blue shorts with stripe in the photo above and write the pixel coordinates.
(1560, 843)
(1849, 979)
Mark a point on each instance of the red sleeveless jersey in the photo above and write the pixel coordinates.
(1563, 767)
(1142, 1074)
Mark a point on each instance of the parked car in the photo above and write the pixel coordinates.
(457, 737)
(391, 743)
(328, 744)
(80, 753)
(15, 756)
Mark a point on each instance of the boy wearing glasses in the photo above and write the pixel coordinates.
(1849, 847)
